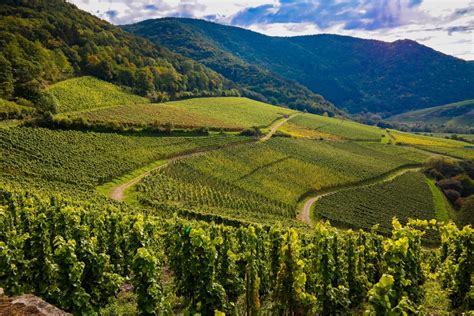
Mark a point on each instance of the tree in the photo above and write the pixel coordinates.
(144, 83)
(6, 78)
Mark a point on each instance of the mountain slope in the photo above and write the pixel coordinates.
(355, 74)
(45, 41)
(256, 81)
(454, 115)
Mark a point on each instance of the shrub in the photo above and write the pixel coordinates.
(452, 195)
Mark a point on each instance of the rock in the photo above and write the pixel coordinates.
(27, 304)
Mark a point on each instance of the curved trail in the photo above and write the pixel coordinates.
(305, 215)
(276, 126)
(118, 192)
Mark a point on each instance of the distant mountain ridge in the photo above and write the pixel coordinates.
(355, 74)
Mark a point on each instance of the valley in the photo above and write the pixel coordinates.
(204, 169)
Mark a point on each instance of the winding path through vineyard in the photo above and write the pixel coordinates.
(118, 192)
(276, 126)
(305, 215)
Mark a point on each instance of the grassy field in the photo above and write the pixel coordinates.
(339, 128)
(228, 113)
(262, 180)
(88, 159)
(406, 196)
(86, 93)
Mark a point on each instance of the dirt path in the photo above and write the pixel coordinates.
(276, 126)
(305, 215)
(118, 192)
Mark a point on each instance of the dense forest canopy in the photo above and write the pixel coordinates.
(357, 75)
(42, 42)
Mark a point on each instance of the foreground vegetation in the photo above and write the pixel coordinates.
(78, 255)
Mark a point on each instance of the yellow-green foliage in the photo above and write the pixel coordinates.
(442, 146)
(230, 113)
(339, 127)
(12, 110)
(414, 139)
(86, 93)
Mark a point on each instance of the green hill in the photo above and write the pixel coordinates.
(86, 93)
(453, 115)
(46, 41)
(229, 113)
(355, 74)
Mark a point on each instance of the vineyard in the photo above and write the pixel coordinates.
(298, 131)
(89, 159)
(229, 113)
(78, 256)
(339, 127)
(421, 140)
(406, 196)
(450, 147)
(86, 93)
(174, 167)
(457, 152)
(265, 181)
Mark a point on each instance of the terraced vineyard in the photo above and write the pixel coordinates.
(406, 196)
(89, 159)
(341, 128)
(86, 93)
(228, 113)
(273, 176)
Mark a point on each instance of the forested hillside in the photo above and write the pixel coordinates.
(42, 42)
(256, 81)
(356, 75)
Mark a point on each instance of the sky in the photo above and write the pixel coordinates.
(445, 25)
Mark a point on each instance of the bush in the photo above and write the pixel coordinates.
(452, 195)
(466, 213)
(253, 131)
(450, 184)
